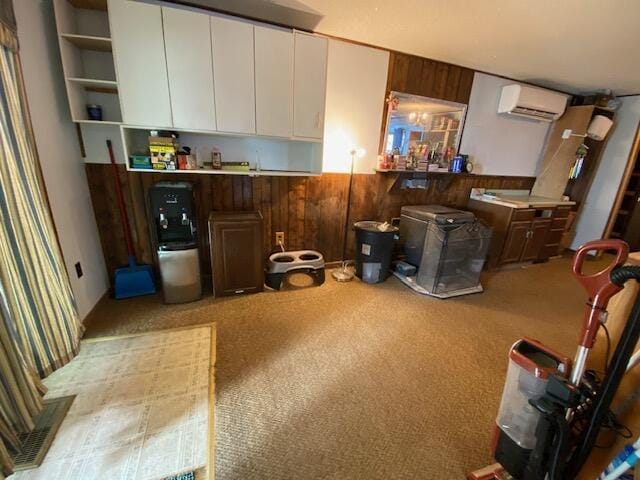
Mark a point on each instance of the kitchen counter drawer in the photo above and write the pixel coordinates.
(522, 214)
(562, 212)
(554, 236)
(558, 223)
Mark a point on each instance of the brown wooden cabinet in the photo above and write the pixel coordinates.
(525, 240)
(521, 234)
(514, 244)
(236, 252)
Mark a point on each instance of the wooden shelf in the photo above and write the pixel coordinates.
(88, 42)
(442, 131)
(103, 122)
(623, 212)
(424, 172)
(94, 85)
(442, 180)
(251, 173)
(629, 193)
(90, 4)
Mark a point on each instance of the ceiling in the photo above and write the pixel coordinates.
(577, 46)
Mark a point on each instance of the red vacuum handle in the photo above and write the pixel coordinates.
(598, 285)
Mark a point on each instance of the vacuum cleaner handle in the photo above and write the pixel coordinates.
(599, 286)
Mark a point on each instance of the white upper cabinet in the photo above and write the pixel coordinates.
(187, 38)
(310, 78)
(233, 75)
(139, 55)
(274, 81)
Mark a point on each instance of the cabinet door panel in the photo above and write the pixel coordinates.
(274, 81)
(237, 258)
(309, 89)
(187, 37)
(139, 55)
(233, 75)
(537, 239)
(515, 242)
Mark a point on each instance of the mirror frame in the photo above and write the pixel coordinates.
(395, 93)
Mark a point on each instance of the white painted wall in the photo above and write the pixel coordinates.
(356, 84)
(500, 144)
(595, 212)
(57, 144)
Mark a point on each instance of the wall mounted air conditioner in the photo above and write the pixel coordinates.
(531, 102)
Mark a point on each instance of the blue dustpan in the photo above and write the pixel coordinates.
(134, 280)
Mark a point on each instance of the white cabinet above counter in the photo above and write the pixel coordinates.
(191, 69)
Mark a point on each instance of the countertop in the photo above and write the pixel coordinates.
(521, 201)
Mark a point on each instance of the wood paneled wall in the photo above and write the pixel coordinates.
(429, 78)
(310, 210)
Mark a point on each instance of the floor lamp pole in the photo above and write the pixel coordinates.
(343, 274)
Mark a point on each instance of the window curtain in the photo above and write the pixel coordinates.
(39, 325)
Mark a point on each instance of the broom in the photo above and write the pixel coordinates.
(133, 280)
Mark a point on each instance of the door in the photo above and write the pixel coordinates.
(274, 81)
(536, 239)
(233, 75)
(187, 38)
(309, 85)
(515, 242)
(141, 67)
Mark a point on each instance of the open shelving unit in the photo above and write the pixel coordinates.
(624, 221)
(87, 59)
(419, 179)
(267, 156)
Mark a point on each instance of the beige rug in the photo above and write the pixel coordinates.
(140, 412)
(354, 381)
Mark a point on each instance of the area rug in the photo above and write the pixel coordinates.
(141, 409)
(355, 381)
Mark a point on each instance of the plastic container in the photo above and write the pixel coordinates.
(94, 112)
(374, 247)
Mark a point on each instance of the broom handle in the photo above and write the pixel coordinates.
(123, 209)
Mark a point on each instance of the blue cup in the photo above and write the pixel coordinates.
(94, 112)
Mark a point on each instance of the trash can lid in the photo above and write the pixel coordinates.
(438, 214)
(377, 227)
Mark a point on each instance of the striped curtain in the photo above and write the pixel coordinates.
(39, 325)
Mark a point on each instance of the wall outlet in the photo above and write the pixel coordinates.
(78, 269)
(279, 238)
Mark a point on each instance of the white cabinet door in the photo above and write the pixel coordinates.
(233, 75)
(141, 67)
(187, 38)
(274, 81)
(310, 78)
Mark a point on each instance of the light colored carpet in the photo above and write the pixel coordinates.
(353, 381)
(140, 412)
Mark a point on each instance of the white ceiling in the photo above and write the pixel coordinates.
(577, 46)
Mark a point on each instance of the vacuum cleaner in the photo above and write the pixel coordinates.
(553, 409)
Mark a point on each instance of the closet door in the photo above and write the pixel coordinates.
(141, 67)
(310, 83)
(187, 38)
(233, 75)
(274, 81)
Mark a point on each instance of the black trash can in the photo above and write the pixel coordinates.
(374, 247)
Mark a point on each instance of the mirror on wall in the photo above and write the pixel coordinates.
(422, 130)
